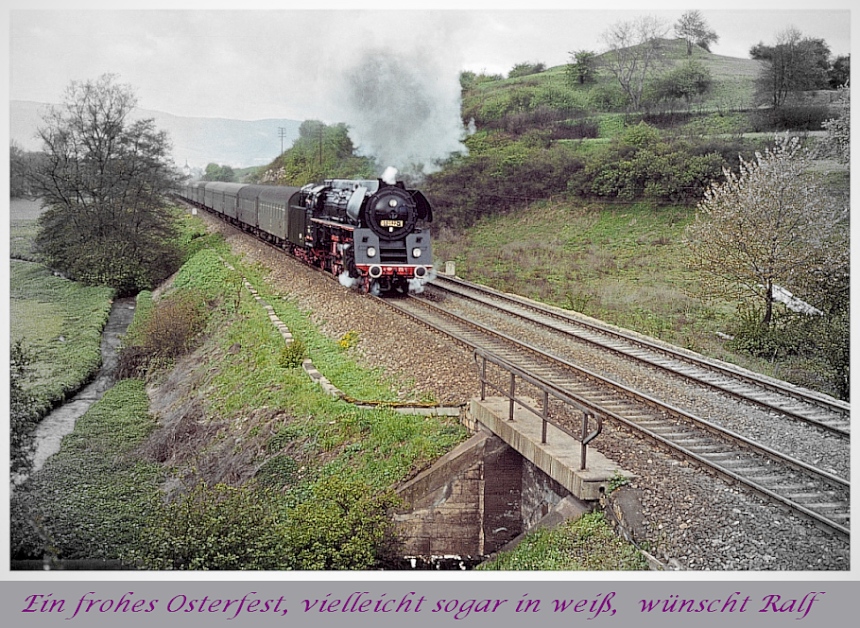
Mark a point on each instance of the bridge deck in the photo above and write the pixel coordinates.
(559, 457)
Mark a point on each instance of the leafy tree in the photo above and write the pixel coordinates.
(105, 181)
(770, 224)
(469, 79)
(21, 164)
(840, 72)
(634, 51)
(320, 152)
(686, 81)
(583, 67)
(214, 172)
(793, 65)
(22, 411)
(693, 29)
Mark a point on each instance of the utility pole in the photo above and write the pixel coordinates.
(282, 132)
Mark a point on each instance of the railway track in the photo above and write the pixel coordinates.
(819, 495)
(800, 487)
(803, 405)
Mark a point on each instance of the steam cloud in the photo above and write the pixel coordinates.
(404, 109)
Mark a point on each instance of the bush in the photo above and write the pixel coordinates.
(823, 341)
(500, 179)
(576, 130)
(526, 69)
(23, 410)
(167, 331)
(685, 82)
(292, 354)
(606, 97)
(641, 164)
(791, 118)
(213, 527)
(343, 526)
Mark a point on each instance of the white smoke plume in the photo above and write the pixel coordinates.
(390, 175)
(403, 108)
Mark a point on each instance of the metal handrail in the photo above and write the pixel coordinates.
(584, 437)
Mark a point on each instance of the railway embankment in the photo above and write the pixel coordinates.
(232, 410)
(688, 519)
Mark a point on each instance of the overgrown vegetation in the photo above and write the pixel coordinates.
(23, 411)
(90, 499)
(567, 194)
(165, 333)
(587, 544)
(268, 471)
(216, 527)
(518, 211)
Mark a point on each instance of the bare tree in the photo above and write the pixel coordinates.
(634, 51)
(770, 224)
(105, 180)
(693, 29)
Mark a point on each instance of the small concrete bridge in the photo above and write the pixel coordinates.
(520, 470)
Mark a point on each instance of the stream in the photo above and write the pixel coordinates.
(61, 421)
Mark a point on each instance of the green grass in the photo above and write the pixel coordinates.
(587, 544)
(732, 91)
(22, 234)
(332, 437)
(623, 264)
(89, 498)
(60, 322)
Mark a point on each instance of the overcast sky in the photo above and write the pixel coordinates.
(255, 64)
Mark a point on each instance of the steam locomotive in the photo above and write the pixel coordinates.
(368, 233)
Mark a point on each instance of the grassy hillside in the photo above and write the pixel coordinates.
(508, 103)
(567, 197)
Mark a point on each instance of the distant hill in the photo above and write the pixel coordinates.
(196, 141)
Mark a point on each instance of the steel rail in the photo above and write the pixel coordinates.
(722, 469)
(839, 408)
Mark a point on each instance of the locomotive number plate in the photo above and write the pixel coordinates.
(390, 223)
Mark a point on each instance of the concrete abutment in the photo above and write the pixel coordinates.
(485, 494)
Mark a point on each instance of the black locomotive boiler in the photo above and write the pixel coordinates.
(370, 233)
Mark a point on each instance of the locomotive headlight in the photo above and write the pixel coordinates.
(371, 251)
(392, 202)
(416, 252)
